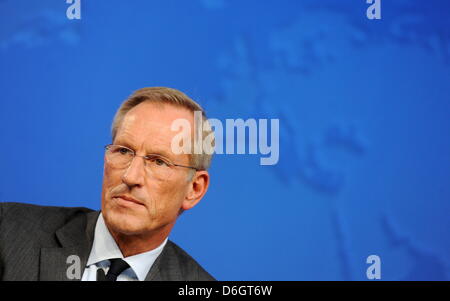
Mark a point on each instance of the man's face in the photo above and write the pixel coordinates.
(146, 130)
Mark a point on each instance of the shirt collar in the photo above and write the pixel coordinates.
(105, 247)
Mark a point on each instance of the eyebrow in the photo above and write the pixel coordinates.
(158, 152)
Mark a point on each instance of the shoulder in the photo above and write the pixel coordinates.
(189, 268)
(45, 218)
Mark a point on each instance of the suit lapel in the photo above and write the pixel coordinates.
(155, 274)
(76, 238)
(166, 267)
(54, 263)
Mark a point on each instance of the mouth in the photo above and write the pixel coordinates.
(127, 199)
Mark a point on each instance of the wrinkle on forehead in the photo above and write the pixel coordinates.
(147, 127)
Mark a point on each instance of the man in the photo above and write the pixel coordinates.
(146, 186)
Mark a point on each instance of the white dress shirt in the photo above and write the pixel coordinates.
(104, 248)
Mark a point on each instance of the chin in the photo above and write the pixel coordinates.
(124, 222)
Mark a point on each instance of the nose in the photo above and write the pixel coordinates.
(135, 173)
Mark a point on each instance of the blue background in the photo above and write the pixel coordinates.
(364, 122)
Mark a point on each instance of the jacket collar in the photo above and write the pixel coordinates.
(76, 238)
(167, 266)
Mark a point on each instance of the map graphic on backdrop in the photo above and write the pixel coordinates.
(349, 93)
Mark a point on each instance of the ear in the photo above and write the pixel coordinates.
(197, 189)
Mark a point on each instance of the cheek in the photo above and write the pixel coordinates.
(167, 197)
(111, 178)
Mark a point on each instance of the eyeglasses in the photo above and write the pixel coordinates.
(119, 156)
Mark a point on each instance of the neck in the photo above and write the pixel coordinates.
(135, 244)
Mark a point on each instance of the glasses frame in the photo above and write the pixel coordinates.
(146, 157)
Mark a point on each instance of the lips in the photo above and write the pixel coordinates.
(129, 199)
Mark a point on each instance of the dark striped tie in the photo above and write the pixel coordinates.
(117, 266)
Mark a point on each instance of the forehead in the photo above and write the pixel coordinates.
(148, 125)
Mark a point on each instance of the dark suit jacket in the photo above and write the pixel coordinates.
(35, 242)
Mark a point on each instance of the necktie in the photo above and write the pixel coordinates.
(117, 266)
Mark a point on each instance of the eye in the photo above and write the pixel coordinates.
(122, 151)
(158, 161)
